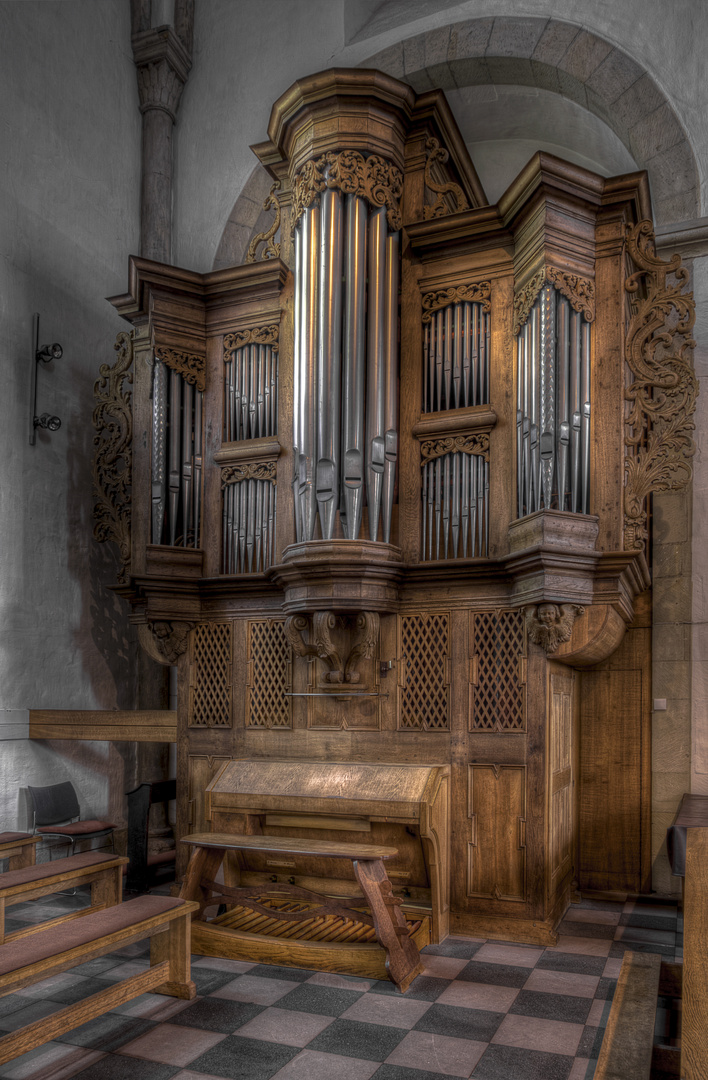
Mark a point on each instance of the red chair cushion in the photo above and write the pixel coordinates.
(77, 828)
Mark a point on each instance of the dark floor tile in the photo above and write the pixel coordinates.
(97, 966)
(512, 1063)
(107, 1032)
(216, 1014)
(599, 905)
(14, 924)
(667, 951)
(77, 991)
(590, 1042)
(207, 980)
(124, 1068)
(461, 1023)
(424, 988)
(399, 1072)
(271, 971)
(572, 928)
(497, 974)
(244, 1059)
(606, 989)
(462, 950)
(351, 1038)
(650, 922)
(617, 950)
(573, 962)
(32, 1011)
(573, 1010)
(11, 1004)
(324, 1000)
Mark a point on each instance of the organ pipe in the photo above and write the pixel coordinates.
(248, 526)
(329, 360)
(176, 465)
(456, 358)
(353, 373)
(455, 502)
(374, 374)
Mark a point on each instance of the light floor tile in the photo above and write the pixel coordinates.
(172, 1045)
(582, 946)
(588, 915)
(254, 988)
(472, 995)
(140, 1006)
(563, 982)
(515, 955)
(285, 1026)
(339, 982)
(384, 1009)
(45, 1060)
(532, 1033)
(312, 1065)
(437, 1053)
(124, 971)
(579, 1070)
(443, 967)
(599, 1012)
(219, 963)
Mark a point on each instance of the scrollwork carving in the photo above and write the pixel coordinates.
(271, 250)
(579, 291)
(437, 153)
(477, 293)
(254, 470)
(113, 462)
(258, 335)
(368, 625)
(455, 444)
(549, 625)
(191, 368)
(372, 178)
(164, 641)
(664, 389)
(320, 644)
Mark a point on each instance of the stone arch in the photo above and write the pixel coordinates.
(546, 53)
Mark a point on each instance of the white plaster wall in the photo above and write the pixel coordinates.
(69, 212)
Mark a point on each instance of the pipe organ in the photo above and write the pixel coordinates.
(390, 506)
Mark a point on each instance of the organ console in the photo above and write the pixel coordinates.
(383, 496)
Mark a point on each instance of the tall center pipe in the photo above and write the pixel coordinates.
(308, 358)
(329, 360)
(297, 440)
(375, 453)
(390, 381)
(354, 366)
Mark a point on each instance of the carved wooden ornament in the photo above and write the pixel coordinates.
(255, 470)
(113, 454)
(477, 293)
(455, 444)
(322, 646)
(664, 389)
(164, 641)
(372, 178)
(548, 625)
(578, 290)
(271, 249)
(191, 368)
(437, 153)
(258, 335)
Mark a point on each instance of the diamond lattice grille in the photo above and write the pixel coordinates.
(424, 652)
(211, 676)
(498, 697)
(270, 665)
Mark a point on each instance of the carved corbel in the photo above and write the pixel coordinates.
(368, 623)
(164, 641)
(549, 625)
(322, 646)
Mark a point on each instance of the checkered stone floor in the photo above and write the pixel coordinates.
(482, 1009)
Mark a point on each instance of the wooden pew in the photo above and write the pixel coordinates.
(628, 1051)
(103, 872)
(18, 848)
(164, 919)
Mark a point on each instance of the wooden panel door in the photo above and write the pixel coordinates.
(496, 863)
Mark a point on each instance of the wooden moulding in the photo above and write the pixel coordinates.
(455, 422)
(341, 576)
(140, 725)
(498, 928)
(594, 638)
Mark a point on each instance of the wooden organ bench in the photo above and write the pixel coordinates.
(294, 909)
(102, 872)
(165, 920)
(292, 833)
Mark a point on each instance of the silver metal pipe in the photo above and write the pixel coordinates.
(483, 397)
(242, 512)
(423, 503)
(159, 449)
(297, 378)
(308, 361)
(585, 383)
(438, 485)
(375, 390)
(329, 360)
(431, 365)
(258, 524)
(465, 501)
(260, 415)
(354, 366)
(575, 402)
(455, 516)
(186, 485)
(473, 503)
(431, 499)
(466, 354)
(485, 469)
(228, 397)
(226, 527)
(487, 354)
(563, 409)
(426, 365)
(446, 504)
(250, 523)
(390, 380)
(534, 385)
(457, 359)
(252, 391)
(520, 422)
(475, 355)
(447, 356)
(274, 354)
(547, 397)
(438, 359)
(197, 460)
(175, 408)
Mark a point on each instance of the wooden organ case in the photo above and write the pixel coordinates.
(389, 505)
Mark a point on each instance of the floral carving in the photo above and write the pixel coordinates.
(436, 153)
(259, 335)
(663, 393)
(549, 625)
(256, 470)
(112, 463)
(191, 368)
(164, 641)
(372, 178)
(578, 290)
(271, 250)
(478, 293)
(455, 444)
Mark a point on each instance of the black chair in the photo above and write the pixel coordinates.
(58, 803)
(145, 869)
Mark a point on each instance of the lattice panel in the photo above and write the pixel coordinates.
(424, 691)
(498, 693)
(270, 660)
(210, 684)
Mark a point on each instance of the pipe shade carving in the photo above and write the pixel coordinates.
(113, 453)
(663, 392)
(271, 249)
(578, 290)
(371, 178)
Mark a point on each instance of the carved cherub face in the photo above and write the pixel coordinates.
(547, 614)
